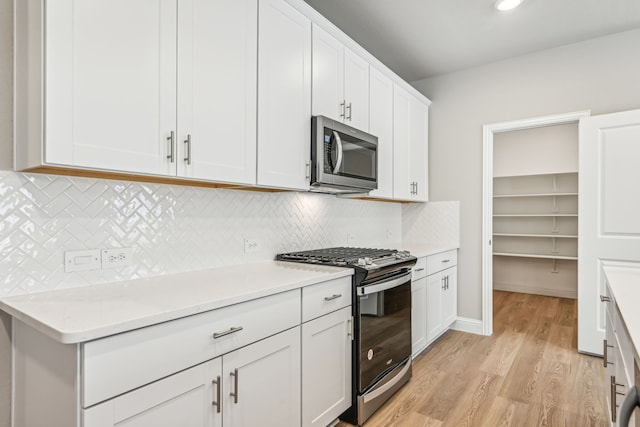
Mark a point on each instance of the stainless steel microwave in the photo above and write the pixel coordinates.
(343, 159)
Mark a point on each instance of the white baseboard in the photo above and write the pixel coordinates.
(464, 324)
(560, 293)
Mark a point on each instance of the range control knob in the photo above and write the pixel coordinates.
(362, 261)
(402, 254)
(368, 261)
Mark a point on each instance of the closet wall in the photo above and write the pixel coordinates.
(535, 210)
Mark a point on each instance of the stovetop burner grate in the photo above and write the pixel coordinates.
(340, 255)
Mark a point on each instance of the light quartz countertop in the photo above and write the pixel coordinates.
(86, 313)
(425, 249)
(625, 286)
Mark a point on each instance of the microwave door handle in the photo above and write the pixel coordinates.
(336, 136)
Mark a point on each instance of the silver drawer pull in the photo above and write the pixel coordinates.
(216, 402)
(444, 261)
(605, 298)
(230, 331)
(332, 297)
(418, 269)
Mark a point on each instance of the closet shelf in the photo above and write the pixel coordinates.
(560, 236)
(499, 196)
(536, 174)
(518, 255)
(535, 215)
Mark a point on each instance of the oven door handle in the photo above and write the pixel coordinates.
(383, 286)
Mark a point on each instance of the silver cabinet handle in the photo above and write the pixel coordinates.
(232, 330)
(444, 285)
(614, 397)
(604, 298)
(343, 105)
(416, 188)
(216, 402)
(234, 393)
(188, 149)
(171, 140)
(444, 261)
(605, 353)
(350, 331)
(332, 297)
(308, 170)
(349, 108)
(418, 269)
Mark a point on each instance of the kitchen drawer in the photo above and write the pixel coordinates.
(323, 298)
(441, 261)
(420, 269)
(116, 364)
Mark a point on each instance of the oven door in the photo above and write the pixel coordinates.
(384, 310)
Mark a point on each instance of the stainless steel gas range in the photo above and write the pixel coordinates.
(382, 320)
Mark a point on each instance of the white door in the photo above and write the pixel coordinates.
(449, 297)
(261, 383)
(402, 187)
(217, 74)
(326, 368)
(327, 76)
(186, 399)
(284, 96)
(434, 305)
(608, 209)
(111, 85)
(418, 315)
(356, 90)
(381, 125)
(418, 147)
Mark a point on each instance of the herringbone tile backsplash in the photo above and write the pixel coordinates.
(171, 228)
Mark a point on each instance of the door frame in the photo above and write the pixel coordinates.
(487, 197)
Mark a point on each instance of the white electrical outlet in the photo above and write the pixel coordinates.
(250, 245)
(116, 257)
(82, 260)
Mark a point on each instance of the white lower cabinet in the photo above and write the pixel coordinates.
(187, 399)
(255, 385)
(261, 383)
(326, 367)
(434, 303)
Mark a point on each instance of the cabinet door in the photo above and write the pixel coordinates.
(217, 66)
(327, 76)
(111, 84)
(326, 368)
(402, 187)
(356, 90)
(435, 284)
(261, 383)
(381, 125)
(418, 147)
(284, 96)
(450, 297)
(418, 316)
(186, 399)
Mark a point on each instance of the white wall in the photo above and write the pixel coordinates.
(601, 75)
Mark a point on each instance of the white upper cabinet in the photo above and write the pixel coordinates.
(284, 96)
(381, 125)
(153, 86)
(340, 81)
(217, 62)
(110, 84)
(410, 146)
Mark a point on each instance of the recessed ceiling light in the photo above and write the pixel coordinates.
(507, 4)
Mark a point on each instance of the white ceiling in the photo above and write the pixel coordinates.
(424, 38)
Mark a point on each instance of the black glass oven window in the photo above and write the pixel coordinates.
(385, 332)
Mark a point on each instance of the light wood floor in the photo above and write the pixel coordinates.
(528, 373)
